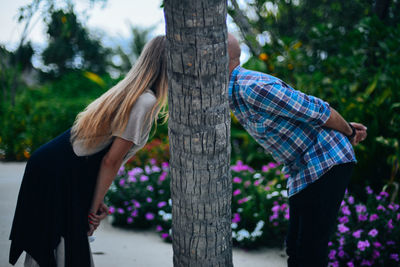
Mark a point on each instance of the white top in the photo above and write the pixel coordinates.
(137, 130)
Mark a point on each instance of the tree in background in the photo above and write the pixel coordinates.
(199, 132)
(345, 52)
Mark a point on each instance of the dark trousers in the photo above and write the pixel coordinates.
(313, 214)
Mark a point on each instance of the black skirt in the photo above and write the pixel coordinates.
(54, 201)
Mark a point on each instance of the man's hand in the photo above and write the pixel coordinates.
(361, 133)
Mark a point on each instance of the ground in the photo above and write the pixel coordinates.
(115, 246)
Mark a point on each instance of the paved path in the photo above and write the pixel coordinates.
(115, 246)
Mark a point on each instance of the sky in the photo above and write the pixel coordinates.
(112, 21)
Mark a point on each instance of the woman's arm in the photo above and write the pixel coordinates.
(108, 170)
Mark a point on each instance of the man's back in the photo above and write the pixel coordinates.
(288, 124)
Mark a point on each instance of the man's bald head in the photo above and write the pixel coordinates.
(234, 52)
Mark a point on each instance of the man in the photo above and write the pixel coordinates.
(312, 140)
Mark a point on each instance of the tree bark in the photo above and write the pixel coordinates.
(199, 132)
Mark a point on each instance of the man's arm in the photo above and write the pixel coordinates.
(336, 122)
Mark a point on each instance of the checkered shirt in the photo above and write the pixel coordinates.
(288, 124)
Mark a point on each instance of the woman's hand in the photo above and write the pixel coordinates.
(94, 219)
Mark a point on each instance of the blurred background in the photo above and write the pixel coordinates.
(58, 56)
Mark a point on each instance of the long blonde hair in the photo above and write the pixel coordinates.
(110, 112)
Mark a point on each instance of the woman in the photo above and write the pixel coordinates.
(61, 196)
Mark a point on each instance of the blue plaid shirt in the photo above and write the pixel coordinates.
(287, 123)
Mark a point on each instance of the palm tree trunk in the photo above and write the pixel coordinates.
(199, 132)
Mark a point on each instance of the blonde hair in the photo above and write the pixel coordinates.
(110, 112)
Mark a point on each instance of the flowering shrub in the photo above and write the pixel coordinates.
(156, 151)
(367, 234)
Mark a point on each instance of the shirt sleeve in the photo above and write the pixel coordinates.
(139, 120)
(278, 98)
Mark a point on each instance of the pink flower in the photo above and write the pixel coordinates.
(376, 254)
(150, 188)
(350, 264)
(332, 254)
(245, 199)
(362, 217)
(341, 254)
(148, 199)
(236, 218)
(366, 263)
(121, 170)
(373, 217)
(165, 165)
(144, 178)
(380, 207)
(390, 224)
(384, 194)
(122, 182)
(161, 204)
(360, 208)
(164, 235)
(363, 244)
(357, 233)
(134, 213)
(149, 216)
(153, 161)
(398, 216)
(373, 232)
(236, 192)
(369, 190)
(237, 180)
(345, 210)
(159, 228)
(350, 199)
(394, 256)
(344, 219)
(132, 179)
(342, 228)
(163, 176)
(120, 211)
(257, 182)
(377, 244)
(129, 220)
(111, 209)
(247, 183)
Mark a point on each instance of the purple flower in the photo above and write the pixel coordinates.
(345, 210)
(111, 209)
(132, 179)
(134, 213)
(373, 232)
(350, 199)
(257, 182)
(275, 208)
(165, 165)
(369, 190)
(350, 264)
(150, 188)
(344, 219)
(129, 220)
(120, 211)
(377, 244)
(380, 207)
(161, 204)
(121, 170)
(390, 242)
(341, 241)
(366, 263)
(330, 243)
(237, 180)
(148, 199)
(247, 183)
(135, 203)
(394, 256)
(163, 176)
(129, 208)
(122, 182)
(332, 254)
(242, 200)
(164, 235)
(335, 264)
(376, 254)
(147, 169)
(236, 192)
(390, 224)
(273, 217)
(362, 217)
(373, 217)
(149, 216)
(135, 171)
(236, 218)
(159, 228)
(341, 254)
(144, 178)
(360, 208)
(384, 194)
(241, 167)
(267, 188)
(398, 216)
(153, 161)
(155, 169)
(342, 228)
(357, 234)
(361, 245)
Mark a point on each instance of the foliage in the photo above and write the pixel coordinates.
(367, 234)
(42, 113)
(346, 53)
(70, 47)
